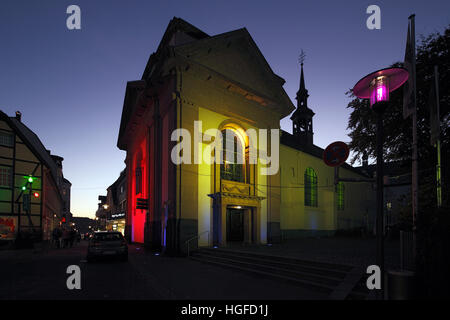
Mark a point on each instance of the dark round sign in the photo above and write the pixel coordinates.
(335, 154)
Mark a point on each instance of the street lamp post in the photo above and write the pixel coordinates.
(376, 86)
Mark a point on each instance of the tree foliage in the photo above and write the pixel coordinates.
(432, 50)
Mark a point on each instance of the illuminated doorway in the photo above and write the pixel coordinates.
(235, 225)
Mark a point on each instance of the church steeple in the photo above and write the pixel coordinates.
(302, 117)
(302, 93)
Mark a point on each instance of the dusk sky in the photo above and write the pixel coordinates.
(70, 84)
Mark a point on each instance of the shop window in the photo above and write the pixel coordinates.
(138, 180)
(138, 173)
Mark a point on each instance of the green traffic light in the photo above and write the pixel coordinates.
(30, 179)
(24, 188)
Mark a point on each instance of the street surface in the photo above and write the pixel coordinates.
(41, 274)
(31, 274)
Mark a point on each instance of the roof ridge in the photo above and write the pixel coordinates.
(34, 143)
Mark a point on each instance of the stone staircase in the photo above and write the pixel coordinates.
(337, 280)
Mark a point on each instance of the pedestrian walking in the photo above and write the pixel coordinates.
(72, 236)
(55, 237)
(65, 237)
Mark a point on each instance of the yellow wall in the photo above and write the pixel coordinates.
(298, 219)
(214, 120)
(214, 106)
(201, 95)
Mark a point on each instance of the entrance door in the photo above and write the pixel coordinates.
(235, 225)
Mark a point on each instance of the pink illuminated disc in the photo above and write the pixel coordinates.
(397, 77)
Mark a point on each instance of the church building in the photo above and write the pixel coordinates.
(224, 83)
(311, 203)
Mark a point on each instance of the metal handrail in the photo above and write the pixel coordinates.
(195, 237)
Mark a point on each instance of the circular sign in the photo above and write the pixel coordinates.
(335, 154)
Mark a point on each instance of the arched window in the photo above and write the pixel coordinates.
(232, 168)
(310, 188)
(138, 173)
(340, 188)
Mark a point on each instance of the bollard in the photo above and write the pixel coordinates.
(401, 285)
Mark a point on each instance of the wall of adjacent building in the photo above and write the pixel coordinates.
(46, 209)
(22, 163)
(53, 205)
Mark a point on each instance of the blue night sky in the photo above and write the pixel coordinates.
(70, 85)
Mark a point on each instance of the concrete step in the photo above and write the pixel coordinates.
(297, 261)
(300, 266)
(304, 283)
(360, 290)
(278, 270)
(336, 279)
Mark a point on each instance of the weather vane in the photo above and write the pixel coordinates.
(301, 57)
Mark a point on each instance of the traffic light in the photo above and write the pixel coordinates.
(36, 195)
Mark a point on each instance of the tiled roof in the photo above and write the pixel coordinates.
(291, 141)
(33, 142)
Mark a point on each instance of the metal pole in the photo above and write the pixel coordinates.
(336, 175)
(402, 258)
(380, 207)
(415, 182)
(18, 219)
(414, 172)
(438, 174)
(438, 142)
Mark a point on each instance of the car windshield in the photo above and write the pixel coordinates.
(108, 236)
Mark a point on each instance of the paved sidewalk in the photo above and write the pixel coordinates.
(39, 249)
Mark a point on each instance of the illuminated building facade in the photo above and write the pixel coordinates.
(31, 199)
(65, 188)
(102, 213)
(311, 203)
(225, 82)
(116, 200)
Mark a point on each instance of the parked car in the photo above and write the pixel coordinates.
(107, 244)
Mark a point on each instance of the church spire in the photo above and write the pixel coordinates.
(302, 117)
(302, 93)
